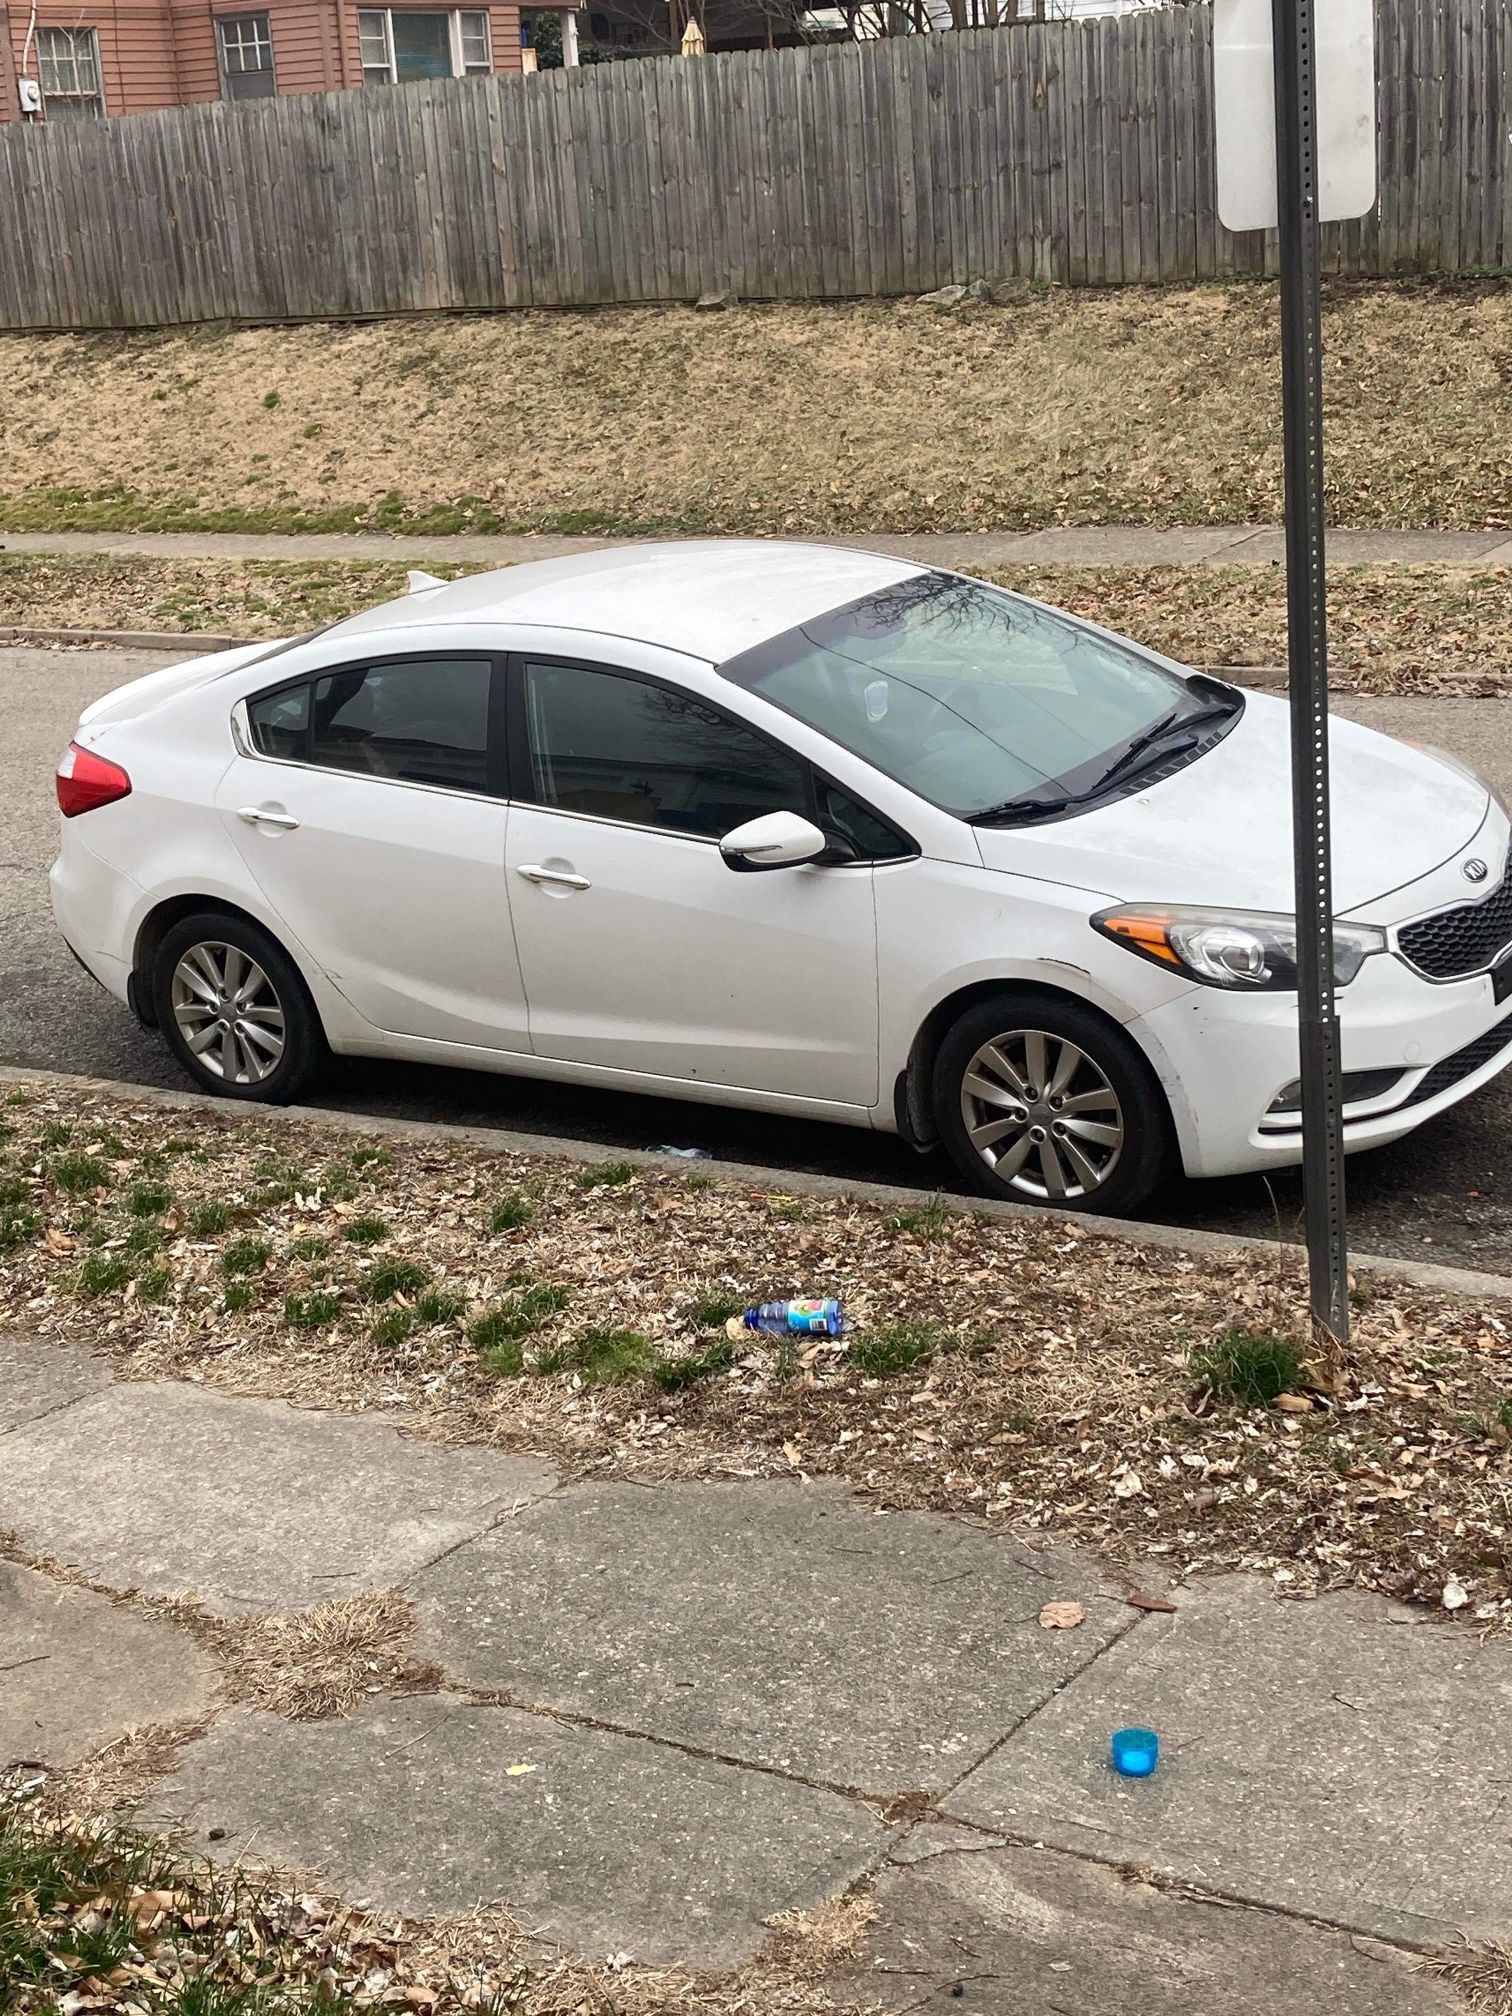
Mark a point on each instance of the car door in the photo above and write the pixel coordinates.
(369, 802)
(641, 949)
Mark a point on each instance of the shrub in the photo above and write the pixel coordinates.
(1252, 1366)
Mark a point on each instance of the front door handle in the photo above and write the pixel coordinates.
(558, 878)
(257, 815)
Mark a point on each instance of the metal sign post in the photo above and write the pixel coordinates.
(1302, 420)
(1293, 174)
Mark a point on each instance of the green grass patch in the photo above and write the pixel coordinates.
(148, 1200)
(17, 1227)
(511, 1214)
(104, 1273)
(929, 1220)
(153, 1284)
(887, 1349)
(394, 1277)
(145, 1237)
(1251, 1366)
(78, 1173)
(313, 1246)
(246, 1256)
(365, 1231)
(393, 1326)
(606, 1175)
(238, 1297)
(611, 1357)
(316, 1310)
(371, 1159)
(674, 1375)
(439, 1305)
(53, 1133)
(712, 1308)
(207, 1220)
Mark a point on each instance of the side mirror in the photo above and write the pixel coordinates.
(775, 840)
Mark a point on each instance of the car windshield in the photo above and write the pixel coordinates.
(968, 696)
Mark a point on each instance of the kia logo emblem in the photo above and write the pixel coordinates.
(1475, 871)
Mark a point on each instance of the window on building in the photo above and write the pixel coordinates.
(246, 56)
(68, 64)
(398, 47)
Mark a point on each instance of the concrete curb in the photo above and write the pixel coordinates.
(500, 1141)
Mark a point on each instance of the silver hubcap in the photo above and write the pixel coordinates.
(1042, 1115)
(228, 1013)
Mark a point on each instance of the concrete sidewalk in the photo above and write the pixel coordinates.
(1084, 546)
(648, 1717)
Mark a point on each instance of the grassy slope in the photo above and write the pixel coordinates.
(1156, 407)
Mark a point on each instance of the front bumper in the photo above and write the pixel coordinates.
(1225, 1058)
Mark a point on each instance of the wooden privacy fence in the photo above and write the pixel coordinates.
(1074, 151)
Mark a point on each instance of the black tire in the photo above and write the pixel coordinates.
(1064, 1127)
(303, 1042)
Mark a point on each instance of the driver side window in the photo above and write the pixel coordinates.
(613, 746)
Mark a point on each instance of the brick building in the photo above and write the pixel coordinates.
(92, 58)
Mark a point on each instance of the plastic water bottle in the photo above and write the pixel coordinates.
(808, 1316)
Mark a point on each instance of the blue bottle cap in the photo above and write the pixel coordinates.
(1136, 1752)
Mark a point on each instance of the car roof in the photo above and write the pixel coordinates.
(708, 598)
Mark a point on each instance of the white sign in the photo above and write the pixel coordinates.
(1244, 90)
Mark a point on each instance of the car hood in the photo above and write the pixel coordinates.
(1220, 830)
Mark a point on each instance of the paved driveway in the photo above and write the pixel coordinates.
(1442, 1195)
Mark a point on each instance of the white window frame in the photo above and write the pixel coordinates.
(380, 20)
(87, 39)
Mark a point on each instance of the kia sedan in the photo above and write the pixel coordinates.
(786, 827)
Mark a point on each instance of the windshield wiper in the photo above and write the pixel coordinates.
(1016, 809)
(1169, 725)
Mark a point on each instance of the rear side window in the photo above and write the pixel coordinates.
(412, 721)
(280, 723)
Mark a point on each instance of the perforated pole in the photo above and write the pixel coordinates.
(1302, 409)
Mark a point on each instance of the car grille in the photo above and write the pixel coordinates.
(1452, 1069)
(1459, 942)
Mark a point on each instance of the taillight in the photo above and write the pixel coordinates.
(86, 781)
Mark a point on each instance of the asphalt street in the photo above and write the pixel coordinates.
(1444, 1194)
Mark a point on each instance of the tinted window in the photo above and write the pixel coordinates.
(620, 748)
(870, 834)
(420, 721)
(280, 723)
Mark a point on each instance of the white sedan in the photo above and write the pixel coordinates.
(788, 827)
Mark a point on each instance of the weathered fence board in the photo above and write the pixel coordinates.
(1079, 152)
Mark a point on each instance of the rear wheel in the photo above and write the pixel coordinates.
(1041, 1101)
(234, 1010)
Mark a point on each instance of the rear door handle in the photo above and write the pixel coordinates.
(559, 878)
(255, 815)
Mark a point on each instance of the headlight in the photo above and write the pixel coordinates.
(1237, 949)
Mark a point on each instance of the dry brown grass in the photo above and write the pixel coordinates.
(1136, 406)
(307, 1664)
(1391, 629)
(1481, 1973)
(1047, 1379)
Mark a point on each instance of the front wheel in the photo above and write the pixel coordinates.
(1043, 1102)
(234, 1009)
